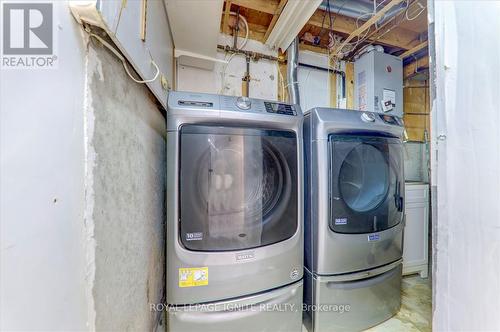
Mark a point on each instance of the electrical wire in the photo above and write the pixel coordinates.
(124, 61)
(366, 36)
(224, 69)
(422, 8)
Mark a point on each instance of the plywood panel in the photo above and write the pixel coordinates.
(416, 109)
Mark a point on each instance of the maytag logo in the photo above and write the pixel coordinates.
(28, 35)
(373, 237)
(245, 256)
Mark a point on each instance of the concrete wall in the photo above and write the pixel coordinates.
(466, 133)
(81, 193)
(127, 144)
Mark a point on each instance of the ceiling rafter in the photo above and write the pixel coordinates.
(368, 24)
(225, 22)
(397, 37)
(265, 6)
(387, 34)
(414, 49)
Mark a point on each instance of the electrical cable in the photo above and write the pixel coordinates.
(223, 73)
(124, 61)
(422, 8)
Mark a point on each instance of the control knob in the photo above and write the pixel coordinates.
(243, 103)
(367, 117)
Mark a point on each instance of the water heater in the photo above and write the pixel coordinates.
(378, 83)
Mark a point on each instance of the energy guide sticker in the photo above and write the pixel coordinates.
(193, 276)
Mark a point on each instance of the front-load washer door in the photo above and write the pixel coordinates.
(366, 183)
(238, 187)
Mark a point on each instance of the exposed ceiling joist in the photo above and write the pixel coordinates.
(317, 49)
(414, 67)
(414, 49)
(266, 6)
(225, 22)
(276, 15)
(397, 37)
(368, 23)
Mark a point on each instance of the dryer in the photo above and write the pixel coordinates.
(354, 218)
(234, 213)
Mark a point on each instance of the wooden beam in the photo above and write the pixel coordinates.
(276, 15)
(412, 68)
(398, 37)
(266, 6)
(312, 48)
(414, 49)
(368, 23)
(349, 84)
(225, 21)
(333, 90)
(144, 14)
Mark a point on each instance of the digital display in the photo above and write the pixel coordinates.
(278, 108)
(195, 103)
(389, 119)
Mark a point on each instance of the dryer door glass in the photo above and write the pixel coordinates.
(366, 183)
(238, 187)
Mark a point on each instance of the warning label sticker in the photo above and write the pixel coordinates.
(193, 276)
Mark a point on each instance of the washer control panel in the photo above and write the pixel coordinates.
(279, 108)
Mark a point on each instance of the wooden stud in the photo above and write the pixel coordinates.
(225, 21)
(368, 24)
(144, 9)
(412, 68)
(414, 49)
(349, 84)
(333, 90)
(276, 15)
(266, 6)
(312, 48)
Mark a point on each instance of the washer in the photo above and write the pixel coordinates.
(354, 218)
(234, 213)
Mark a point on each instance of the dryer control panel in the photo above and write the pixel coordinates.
(279, 108)
(219, 103)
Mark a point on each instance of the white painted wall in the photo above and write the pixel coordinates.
(466, 116)
(81, 193)
(314, 84)
(264, 74)
(42, 238)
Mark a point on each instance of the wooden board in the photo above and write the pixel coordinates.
(333, 90)
(349, 84)
(416, 109)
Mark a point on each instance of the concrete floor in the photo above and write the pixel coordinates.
(416, 308)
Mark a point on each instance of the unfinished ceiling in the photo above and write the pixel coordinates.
(344, 27)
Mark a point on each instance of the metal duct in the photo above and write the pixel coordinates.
(361, 9)
(292, 66)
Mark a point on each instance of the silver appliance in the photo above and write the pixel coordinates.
(234, 214)
(378, 82)
(354, 196)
